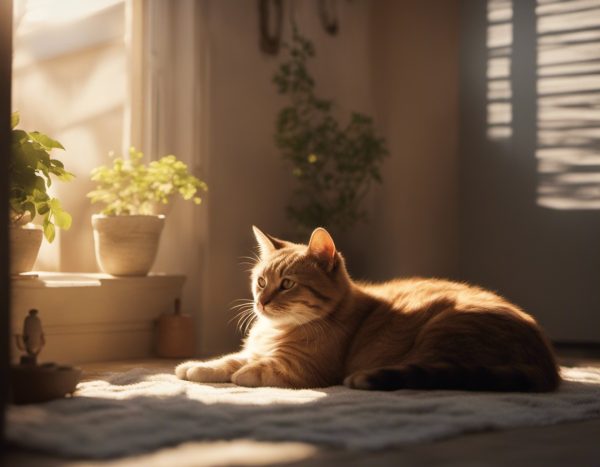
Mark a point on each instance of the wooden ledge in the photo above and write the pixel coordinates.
(44, 279)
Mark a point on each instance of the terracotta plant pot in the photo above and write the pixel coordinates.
(126, 245)
(25, 242)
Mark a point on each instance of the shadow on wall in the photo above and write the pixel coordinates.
(568, 93)
(530, 158)
(568, 96)
(499, 89)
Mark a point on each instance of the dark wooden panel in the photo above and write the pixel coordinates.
(5, 97)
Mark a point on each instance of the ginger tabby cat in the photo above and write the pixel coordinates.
(316, 327)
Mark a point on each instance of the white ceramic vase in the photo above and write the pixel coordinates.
(126, 245)
(25, 242)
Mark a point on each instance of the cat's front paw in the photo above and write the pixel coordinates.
(250, 376)
(200, 372)
(182, 368)
(264, 373)
(359, 380)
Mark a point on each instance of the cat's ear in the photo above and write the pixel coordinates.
(321, 245)
(266, 243)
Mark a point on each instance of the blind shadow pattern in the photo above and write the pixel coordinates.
(499, 50)
(568, 97)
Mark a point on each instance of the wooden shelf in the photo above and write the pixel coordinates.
(89, 317)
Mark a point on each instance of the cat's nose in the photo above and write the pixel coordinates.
(263, 301)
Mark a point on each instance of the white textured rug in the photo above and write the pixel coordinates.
(140, 410)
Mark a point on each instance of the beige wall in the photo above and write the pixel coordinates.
(395, 60)
(248, 182)
(414, 47)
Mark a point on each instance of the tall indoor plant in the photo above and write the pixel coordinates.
(127, 231)
(32, 169)
(334, 164)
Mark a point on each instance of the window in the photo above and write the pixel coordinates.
(70, 72)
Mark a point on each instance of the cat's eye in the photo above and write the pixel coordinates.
(287, 284)
(261, 282)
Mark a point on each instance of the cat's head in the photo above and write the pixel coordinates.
(294, 284)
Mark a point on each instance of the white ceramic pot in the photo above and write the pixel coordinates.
(126, 245)
(25, 242)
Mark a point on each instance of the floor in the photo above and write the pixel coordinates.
(572, 444)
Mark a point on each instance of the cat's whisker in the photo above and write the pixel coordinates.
(256, 256)
(237, 319)
(249, 323)
(242, 319)
(246, 302)
(250, 258)
(233, 305)
(242, 300)
(245, 322)
(251, 261)
(242, 313)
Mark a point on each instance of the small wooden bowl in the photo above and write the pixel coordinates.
(41, 383)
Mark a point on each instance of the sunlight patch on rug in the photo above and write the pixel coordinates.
(140, 410)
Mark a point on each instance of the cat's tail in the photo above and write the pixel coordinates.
(521, 378)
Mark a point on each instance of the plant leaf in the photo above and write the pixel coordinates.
(55, 204)
(66, 176)
(18, 136)
(45, 141)
(49, 231)
(28, 207)
(14, 119)
(43, 208)
(62, 219)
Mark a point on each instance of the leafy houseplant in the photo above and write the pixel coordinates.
(132, 187)
(127, 232)
(334, 164)
(31, 171)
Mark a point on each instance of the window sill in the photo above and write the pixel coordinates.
(41, 279)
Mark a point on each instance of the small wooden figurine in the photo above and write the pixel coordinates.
(31, 382)
(32, 340)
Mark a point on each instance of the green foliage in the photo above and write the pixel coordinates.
(132, 187)
(334, 165)
(31, 168)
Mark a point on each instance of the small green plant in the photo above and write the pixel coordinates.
(132, 187)
(31, 169)
(334, 165)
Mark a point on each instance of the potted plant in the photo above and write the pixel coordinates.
(31, 169)
(127, 231)
(334, 163)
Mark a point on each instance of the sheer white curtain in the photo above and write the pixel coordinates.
(70, 74)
